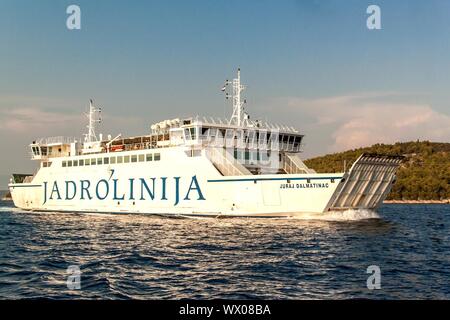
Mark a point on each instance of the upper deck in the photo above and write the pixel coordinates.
(194, 133)
(239, 134)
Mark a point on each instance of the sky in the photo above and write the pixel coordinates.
(310, 64)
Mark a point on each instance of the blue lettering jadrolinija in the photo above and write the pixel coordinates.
(175, 189)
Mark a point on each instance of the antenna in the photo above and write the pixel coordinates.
(238, 117)
(91, 136)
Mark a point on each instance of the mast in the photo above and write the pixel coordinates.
(239, 117)
(91, 136)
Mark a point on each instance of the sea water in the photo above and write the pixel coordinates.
(148, 257)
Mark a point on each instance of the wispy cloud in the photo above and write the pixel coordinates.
(364, 119)
(22, 120)
(27, 117)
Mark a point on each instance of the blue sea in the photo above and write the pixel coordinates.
(150, 257)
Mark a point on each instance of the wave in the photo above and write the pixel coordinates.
(11, 209)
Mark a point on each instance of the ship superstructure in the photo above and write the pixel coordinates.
(196, 166)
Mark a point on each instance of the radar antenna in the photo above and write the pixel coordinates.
(239, 116)
(93, 120)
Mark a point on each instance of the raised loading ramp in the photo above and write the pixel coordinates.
(367, 184)
(225, 162)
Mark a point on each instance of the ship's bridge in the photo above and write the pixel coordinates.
(45, 148)
(258, 136)
(203, 132)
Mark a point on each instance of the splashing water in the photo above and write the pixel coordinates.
(10, 209)
(346, 215)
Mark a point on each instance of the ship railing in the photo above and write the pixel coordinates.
(22, 178)
(140, 146)
(55, 140)
(259, 124)
(249, 142)
(54, 154)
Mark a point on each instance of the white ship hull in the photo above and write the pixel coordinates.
(182, 185)
(108, 188)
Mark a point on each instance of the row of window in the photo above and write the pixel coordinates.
(112, 160)
(252, 155)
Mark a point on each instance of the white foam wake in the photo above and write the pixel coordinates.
(10, 209)
(347, 215)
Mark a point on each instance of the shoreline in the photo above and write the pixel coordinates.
(417, 201)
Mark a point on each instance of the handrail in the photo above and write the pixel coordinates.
(55, 140)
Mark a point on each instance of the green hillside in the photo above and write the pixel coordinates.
(424, 175)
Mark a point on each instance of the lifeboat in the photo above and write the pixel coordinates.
(117, 148)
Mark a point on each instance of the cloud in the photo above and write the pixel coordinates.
(368, 118)
(23, 120)
(26, 117)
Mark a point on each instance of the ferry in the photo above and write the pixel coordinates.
(196, 166)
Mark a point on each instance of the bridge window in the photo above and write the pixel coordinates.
(99, 160)
(64, 163)
(134, 158)
(105, 160)
(141, 158)
(291, 143)
(212, 132)
(157, 157)
(187, 136)
(193, 133)
(81, 162)
(251, 139)
(148, 157)
(112, 160)
(273, 143)
(93, 162)
(205, 130)
(241, 138)
(87, 162)
(119, 159)
(126, 159)
(262, 138)
(75, 163)
(69, 163)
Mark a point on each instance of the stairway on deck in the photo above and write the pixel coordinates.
(292, 164)
(226, 163)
